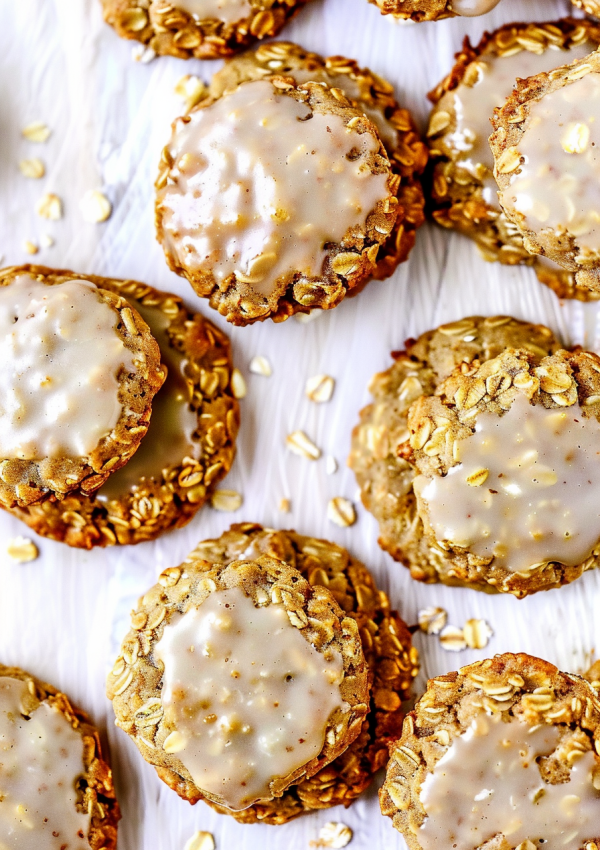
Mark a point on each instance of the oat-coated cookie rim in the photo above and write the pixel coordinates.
(351, 263)
(557, 381)
(156, 507)
(378, 447)
(171, 31)
(408, 156)
(536, 689)
(460, 206)
(510, 124)
(386, 643)
(135, 682)
(26, 482)
(95, 787)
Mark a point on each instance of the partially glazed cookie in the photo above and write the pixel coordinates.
(189, 446)
(545, 163)
(79, 371)
(370, 93)
(380, 455)
(502, 753)
(57, 790)
(463, 190)
(205, 29)
(237, 681)
(275, 199)
(392, 662)
(509, 459)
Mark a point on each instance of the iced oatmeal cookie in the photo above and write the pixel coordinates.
(57, 790)
(205, 29)
(380, 455)
(189, 446)
(463, 192)
(502, 753)
(79, 371)
(236, 681)
(545, 144)
(508, 454)
(274, 199)
(370, 93)
(392, 662)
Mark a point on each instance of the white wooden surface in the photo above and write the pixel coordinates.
(62, 617)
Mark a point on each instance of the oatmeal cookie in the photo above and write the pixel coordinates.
(80, 370)
(386, 640)
(375, 97)
(544, 145)
(500, 754)
(204, 29)
(189, 447)
(379, 454)
(255, 226)
(433, 10)
(463, 192)
(509, 463)
(239, 736)
(57, 789)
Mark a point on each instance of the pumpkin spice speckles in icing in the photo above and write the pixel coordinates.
(491, 775)
(255, 178)
(248, 697)
(229, 11)
(526, 489)
(61, 357)
(41, 758)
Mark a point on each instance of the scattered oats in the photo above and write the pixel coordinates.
(31, 247)
(32, 168)
(261, 366)
(36, 132)
(320, 388)
(46, 241)
(49, 206)
(432, 620)
(477, 633)
(143, 54)
(226, 500)
(22, 550)
(191, 90)
(298, 443)
(285, 506)
(341, 511)
(304, 318)
(331, 465)
(335, 835)
(201, 841)
(95, 207)
(452, 639)
(238, 384)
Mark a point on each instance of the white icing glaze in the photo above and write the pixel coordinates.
(489, 782)
(172, 424)
(473, 8)
(557, 184)
(249, 697)
(40, 760)
(229, 11)
(60, 358)
(541, 498)
(258, 188)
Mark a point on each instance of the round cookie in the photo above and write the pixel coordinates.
(508, 455)
(379, 453)
(274, 689)
(375, 97)
(57, 790)
(189, 447)
(249, 221)
(500, 754)
(463, 192)
(204, 29)
(544, 146)
(80, 370)
(386, 640)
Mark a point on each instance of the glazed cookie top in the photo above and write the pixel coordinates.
(258, 680)
(509, 455)
(80, 371)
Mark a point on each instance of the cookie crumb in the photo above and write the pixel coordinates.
(333, 834)
(95, 207)
(49, 206)
(452, 639)
(226, 500)
(477, 633)
(46, 241)
(320, 388)
(432, 620)
(22, 550)
(191, 90)
(341, 511)
(34, 168)
(30, 247)
(261, 366)
(331, 465)
(285, 506)
(238, 384)
(201, 841)
(298, 443)
(142, 54)
(37, 131)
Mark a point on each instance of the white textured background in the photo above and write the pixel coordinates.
(63, 616)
